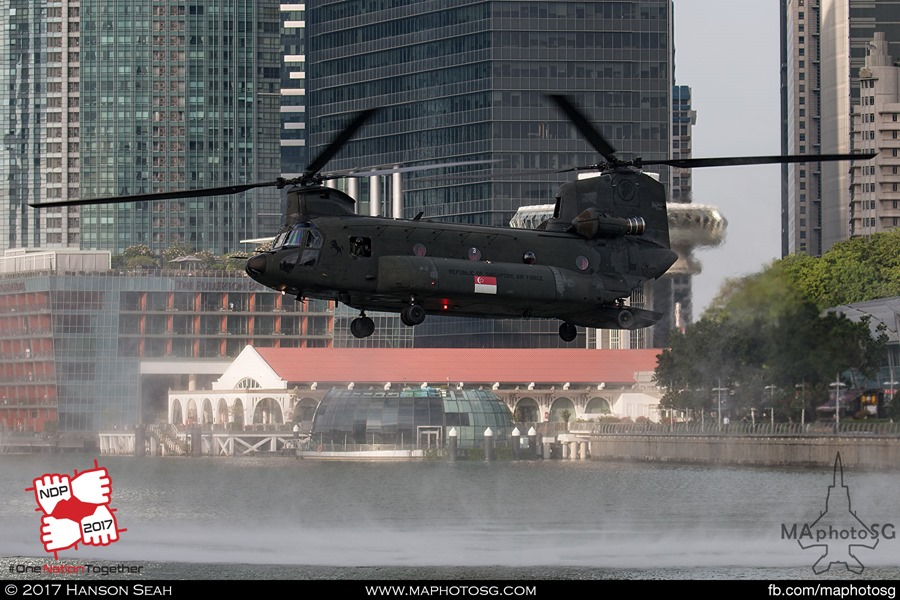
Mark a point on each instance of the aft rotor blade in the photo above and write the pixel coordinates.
(218, 191)
(688, 163)
(328, 153)
(585, 127)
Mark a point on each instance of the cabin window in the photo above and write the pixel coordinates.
(582, 263)
(419, 250)
(474, 254)
(288, 263)
(361, 247)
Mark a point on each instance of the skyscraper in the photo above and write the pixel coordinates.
(119, 98)
(39, 103)
(293, 90)
(177, 96)
(876, 127)
(824, 45)
(467, 82)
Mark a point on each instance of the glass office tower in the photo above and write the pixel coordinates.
(39, 112)
(466, 81)
(179, 95)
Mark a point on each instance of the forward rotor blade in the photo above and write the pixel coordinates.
(328, 153)
(175, 195)
(584, 126)
(392, 170)
(688, 163)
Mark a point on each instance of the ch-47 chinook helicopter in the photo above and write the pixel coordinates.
(608, 235)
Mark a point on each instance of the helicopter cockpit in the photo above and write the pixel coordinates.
(304, 236)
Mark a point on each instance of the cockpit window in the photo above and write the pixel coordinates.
(302, 235)
(314, 239)
(280, 239)
(295, 237)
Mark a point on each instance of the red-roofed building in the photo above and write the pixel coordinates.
(279, 385)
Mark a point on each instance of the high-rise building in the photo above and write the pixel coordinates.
(293, 90)
(876, 198)
(467, 81)
(119, 98)
(177, 96)
(684, 117)
(824, 45)
(39, 104)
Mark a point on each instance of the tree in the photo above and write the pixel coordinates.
(765, 330)
(176, 251)
(855, 270)
(136, 257)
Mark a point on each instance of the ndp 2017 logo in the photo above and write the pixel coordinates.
(75, 509)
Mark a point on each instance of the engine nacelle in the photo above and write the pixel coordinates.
(590, 224)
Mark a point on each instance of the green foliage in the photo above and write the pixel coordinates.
(208, 260)
(856, 270)
(176, 251)
(768, 329)
(139, 250)
(141, 262)
(236, 261)
(142, 257)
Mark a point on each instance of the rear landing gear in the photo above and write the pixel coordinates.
(412, 315)
(362, 326)
(625, 318)
(568, 332)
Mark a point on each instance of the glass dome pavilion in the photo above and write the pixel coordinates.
(421, 417)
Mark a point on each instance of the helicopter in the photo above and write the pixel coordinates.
(609, 234)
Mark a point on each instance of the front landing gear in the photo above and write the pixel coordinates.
(568, 332)
(362, 326)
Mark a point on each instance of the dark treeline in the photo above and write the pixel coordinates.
(768, 340)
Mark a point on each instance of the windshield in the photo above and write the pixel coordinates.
(297, 237)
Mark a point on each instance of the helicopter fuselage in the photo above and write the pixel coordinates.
(419, 267)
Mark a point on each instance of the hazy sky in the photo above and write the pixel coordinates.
(727, 51)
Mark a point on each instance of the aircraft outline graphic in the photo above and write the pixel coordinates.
(838, 521)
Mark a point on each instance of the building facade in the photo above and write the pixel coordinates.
(293, 90)
(120, 98)
(875, 203)
(85, 347)
(271, 386)
(681, 306)
(824, 46)
(466, 81)
(39, 111)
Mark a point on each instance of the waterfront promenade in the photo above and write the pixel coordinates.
(864, 445)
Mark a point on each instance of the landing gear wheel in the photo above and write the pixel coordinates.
(568, 332)
(625, 319)
(412, 315)
(362, 327)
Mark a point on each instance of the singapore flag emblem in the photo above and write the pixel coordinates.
(485, 285)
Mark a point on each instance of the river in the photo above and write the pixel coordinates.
(284, 518)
